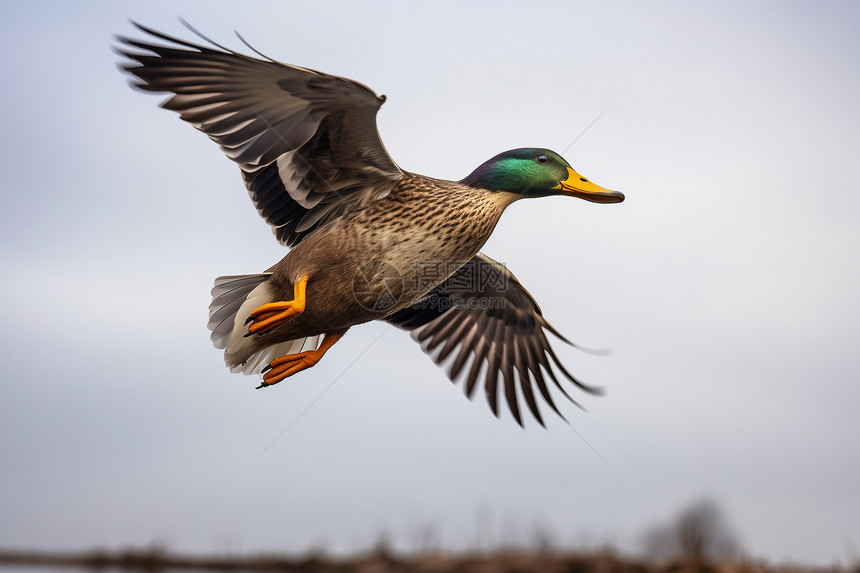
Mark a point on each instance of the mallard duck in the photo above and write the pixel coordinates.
(369, 240)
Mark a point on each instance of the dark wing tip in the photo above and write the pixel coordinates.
(253, 49)
(168, 38)
(586, 349)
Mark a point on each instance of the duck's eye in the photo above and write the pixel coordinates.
(542, 158)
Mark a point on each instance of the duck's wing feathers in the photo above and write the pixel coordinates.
(482, 314)
(306, 142)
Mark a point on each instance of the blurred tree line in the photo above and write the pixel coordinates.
(700, 532)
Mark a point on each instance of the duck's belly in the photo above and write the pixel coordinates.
(362, 269)
(406, 267)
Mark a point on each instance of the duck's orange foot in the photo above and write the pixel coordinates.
(271, 315)
(285, 366)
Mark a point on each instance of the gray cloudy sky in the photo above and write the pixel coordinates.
(726, 284)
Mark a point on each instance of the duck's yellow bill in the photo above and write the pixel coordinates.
(578, 186)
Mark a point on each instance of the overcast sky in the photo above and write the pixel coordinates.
(726, 284)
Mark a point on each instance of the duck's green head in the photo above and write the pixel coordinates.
(533, 172)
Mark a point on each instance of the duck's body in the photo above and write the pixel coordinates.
(369, 240)
(376, 260)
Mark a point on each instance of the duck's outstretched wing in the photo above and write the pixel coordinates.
(482, 314)
(306, 142)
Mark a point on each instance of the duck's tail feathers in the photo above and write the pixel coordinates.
(228, 295)
(233, 299)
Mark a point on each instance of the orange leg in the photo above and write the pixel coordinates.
(285, 366)
(266, 317)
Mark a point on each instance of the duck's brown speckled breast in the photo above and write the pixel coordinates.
(386, 255)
